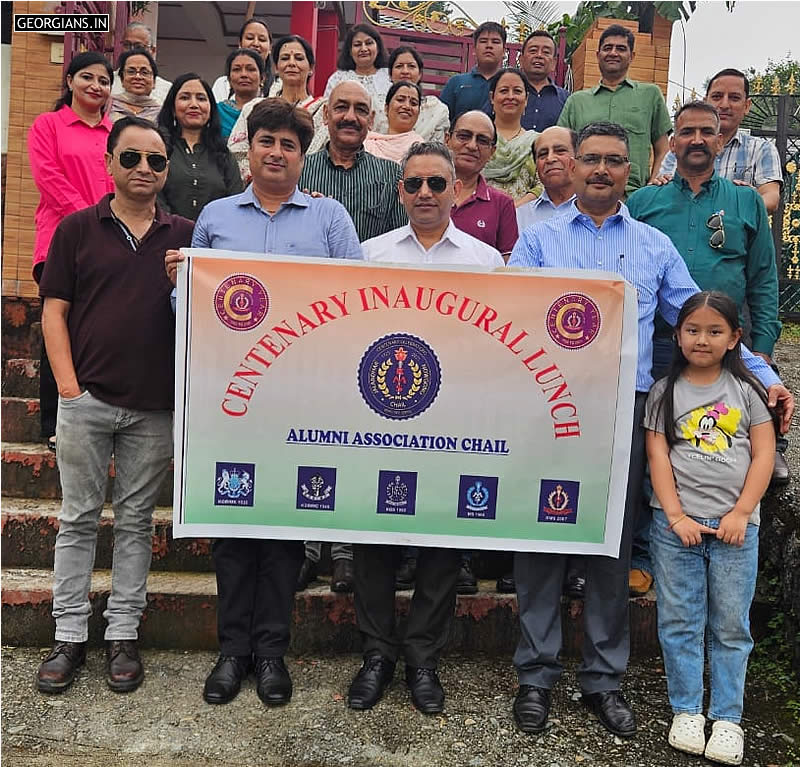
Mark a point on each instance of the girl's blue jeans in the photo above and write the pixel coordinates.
(708, 586)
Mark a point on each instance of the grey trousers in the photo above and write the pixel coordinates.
(88, 432)
(606, 623)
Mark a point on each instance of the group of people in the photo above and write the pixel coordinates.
(505, 167)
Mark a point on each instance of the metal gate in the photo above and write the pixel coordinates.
(777, 116)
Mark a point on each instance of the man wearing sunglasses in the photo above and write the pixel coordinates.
(110, 335)
(599, 233)
(720, 228)
(428, 191)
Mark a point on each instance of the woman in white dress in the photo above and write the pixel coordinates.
(402, 111)
(253, 34)
(405, 64)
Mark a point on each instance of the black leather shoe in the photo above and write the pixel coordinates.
(308, 573)
(613, 712)
(531, 707)
(273, 683)
(575, 587)
(426, 689)
(368, 685)
(342, 580)
(124, 666)
(780, 471)
(466, 583)
(225, 680)
(406, 575)
(506, 585)
(59, 669)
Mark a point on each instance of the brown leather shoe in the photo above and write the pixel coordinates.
(639, 582)
(59, 669)
(125, 670)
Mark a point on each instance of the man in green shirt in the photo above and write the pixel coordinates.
(722, 232)
(637, 107)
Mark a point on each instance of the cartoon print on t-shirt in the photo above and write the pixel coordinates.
(712, 428)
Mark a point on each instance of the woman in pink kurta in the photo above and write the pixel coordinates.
(67, 148)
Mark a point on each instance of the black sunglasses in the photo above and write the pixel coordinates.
(717, 239)
(437, 184)
(130, 158)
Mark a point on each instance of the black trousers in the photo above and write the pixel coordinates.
(48, 390)
(256, 580)
(432, 605)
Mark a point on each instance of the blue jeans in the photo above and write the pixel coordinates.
(88, 432)
(708, 586)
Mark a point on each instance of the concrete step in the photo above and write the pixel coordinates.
(21, 328)
(20, 419)
(29, 532)
(181, 614)
(29, 471)
(21, 378)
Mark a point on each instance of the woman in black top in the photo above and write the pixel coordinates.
(200, 167)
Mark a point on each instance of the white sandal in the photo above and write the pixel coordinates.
(726, 744)
(687, 733)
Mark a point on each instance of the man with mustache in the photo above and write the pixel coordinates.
(638, 107)
(599, 233)
(722, 230)
(744, 159)
(537, 60)
(367, 187)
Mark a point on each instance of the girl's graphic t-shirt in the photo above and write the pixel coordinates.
(711, 457)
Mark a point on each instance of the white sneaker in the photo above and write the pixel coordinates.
(688, 733)
(726, 744)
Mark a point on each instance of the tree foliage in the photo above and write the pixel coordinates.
(783, 69)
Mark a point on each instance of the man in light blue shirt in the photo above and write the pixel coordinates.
(256, 579)
(598, 233)
(554, 152)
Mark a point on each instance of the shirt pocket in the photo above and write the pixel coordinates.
(375, 197)
(735, 244)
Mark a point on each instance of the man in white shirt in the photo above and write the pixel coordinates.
(138, 35)
(428, 190)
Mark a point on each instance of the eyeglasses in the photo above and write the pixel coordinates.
(437, 184)
(465, 136)
(130, 158)
(611, 160)
(717, 239)
(130, 45)
(143, 72)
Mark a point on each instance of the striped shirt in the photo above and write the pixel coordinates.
(642, 255)
(747, 158)
(368, 190)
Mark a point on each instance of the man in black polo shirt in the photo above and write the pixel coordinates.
(110, 332)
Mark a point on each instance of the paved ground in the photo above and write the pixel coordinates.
(166, 722)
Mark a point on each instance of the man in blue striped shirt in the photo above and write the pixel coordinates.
(598, 233)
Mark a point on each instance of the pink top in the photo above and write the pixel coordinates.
(68, 166)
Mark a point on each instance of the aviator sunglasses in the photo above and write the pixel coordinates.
(130, 158)
(717, 239)
(437, 184)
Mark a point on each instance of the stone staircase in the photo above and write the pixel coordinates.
(181, 611)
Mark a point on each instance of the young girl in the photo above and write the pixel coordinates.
(710, 444)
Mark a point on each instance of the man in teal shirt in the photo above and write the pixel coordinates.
(637, 107)
(720, 228)
(722, 232)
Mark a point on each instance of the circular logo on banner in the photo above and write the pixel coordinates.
(241, 302)
(573, 321)
(399, 376)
